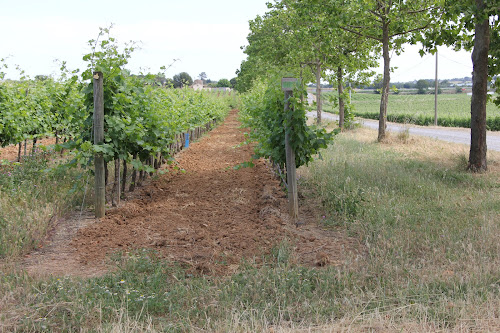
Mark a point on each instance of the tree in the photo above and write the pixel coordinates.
(41, 77)
(223, 83)
(202, 76)
(233, 82)
(477, 154)
(182, 79)
(422, 86)
(389, 23)
(169, 82)
(295, 35)
(472, 24)
(378, 83)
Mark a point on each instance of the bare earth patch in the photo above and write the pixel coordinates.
(208, 218)
(10, 152)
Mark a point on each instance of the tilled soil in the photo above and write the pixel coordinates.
(10, 152)
(208, 218)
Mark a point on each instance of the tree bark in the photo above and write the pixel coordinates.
(141, 178)
(477, 155)
(382, 122)
(134, 176)
(318, 93)
(62, 149)
(115, 199)
(124, 176)
(340, 89)
(34, 146)
(106, 173)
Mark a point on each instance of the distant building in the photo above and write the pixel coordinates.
(197, 85)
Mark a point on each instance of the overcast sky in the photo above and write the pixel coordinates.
(205, 35)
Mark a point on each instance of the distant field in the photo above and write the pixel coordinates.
(453, 109)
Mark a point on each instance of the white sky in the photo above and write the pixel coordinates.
(205, 35)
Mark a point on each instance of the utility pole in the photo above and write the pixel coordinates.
(436, 93)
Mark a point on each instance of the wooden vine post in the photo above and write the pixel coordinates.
(100, 188)
(287, 84)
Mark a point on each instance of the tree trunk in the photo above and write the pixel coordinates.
(477, 155)
(318, 93)
(382, 122)
(106, 173)
(124, 176)
(134, 176)
(141, 178)
(19, 152)
(340, 89)
(62, 149)
(115, 198)
(33, 149)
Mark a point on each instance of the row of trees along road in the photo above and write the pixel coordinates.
(183, 79)
(340, 40)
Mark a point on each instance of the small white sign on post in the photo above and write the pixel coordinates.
(288, 83)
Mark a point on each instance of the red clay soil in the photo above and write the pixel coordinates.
(10, 152)
(208, 218)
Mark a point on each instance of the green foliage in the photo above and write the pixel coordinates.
(263, 112)
(223, 83)
(453, 110)
(141, 117)
(202, 76)
(304, 38)
(182, 79)
(30, 109)
(233, 82)
(422, 86)
(32, 194)
(455, 26)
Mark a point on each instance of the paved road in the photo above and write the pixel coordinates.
(450, 134)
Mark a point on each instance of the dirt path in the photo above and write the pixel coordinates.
(208, 218)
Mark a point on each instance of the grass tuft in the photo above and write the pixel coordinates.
(32, 195)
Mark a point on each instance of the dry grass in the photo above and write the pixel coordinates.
(430, 231)
(452, 155)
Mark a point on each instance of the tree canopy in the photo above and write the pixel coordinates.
(339, 40)
(182, 79)
(223, 83)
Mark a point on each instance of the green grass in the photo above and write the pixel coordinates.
(419, 221)
(429, 262)
(32, 194)
(453, 109)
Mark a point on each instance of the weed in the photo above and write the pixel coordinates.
(32, 194)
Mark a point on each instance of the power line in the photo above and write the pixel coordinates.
(468, 66)
(413, 67)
